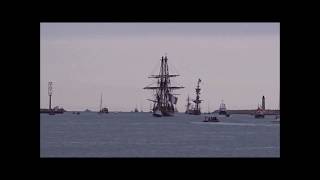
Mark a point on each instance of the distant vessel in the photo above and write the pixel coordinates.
(259, 113)
(188, 108)
(223, 109)
(261, 110)
(164, 99)
(102, 110)
(196, 110)
(211, 119)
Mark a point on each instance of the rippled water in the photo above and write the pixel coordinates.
(142, 135)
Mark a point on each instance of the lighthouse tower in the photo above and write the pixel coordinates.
(263, 103)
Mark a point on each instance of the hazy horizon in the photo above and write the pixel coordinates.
(237, 63)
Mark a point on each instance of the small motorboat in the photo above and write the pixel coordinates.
(211, 119)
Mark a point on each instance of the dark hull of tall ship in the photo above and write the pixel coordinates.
(166, 113)
(259, 115)
(156, 115)
(193, 112)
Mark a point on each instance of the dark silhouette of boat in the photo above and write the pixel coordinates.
(164, 99)
(259, 113)
(223, 109)
(102, 110)
(196, 109)
(260, 110)
(211, 119)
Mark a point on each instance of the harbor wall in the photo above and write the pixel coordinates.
(252, 111)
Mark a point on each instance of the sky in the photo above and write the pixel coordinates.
(236, 62)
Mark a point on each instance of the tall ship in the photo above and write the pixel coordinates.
(164, 100)
(195, 110)
(102, 110)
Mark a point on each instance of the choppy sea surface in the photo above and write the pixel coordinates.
(122, 134)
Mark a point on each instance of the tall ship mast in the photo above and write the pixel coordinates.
(164, 99)
(188, 109)
(196, 110)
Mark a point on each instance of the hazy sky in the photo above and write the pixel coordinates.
(237, 62)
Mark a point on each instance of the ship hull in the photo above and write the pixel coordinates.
(222, 113)
(103, 112)
(156, 115)
(259, 116)
(193, 112)
(167, 113)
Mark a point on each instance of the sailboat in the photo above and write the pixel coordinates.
(261, 109)
(164, 99)
(102, 110)
(259, 112)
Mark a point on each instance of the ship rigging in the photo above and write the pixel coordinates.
(164, 100)
(196, 110)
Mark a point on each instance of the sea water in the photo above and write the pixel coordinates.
(122, 134)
